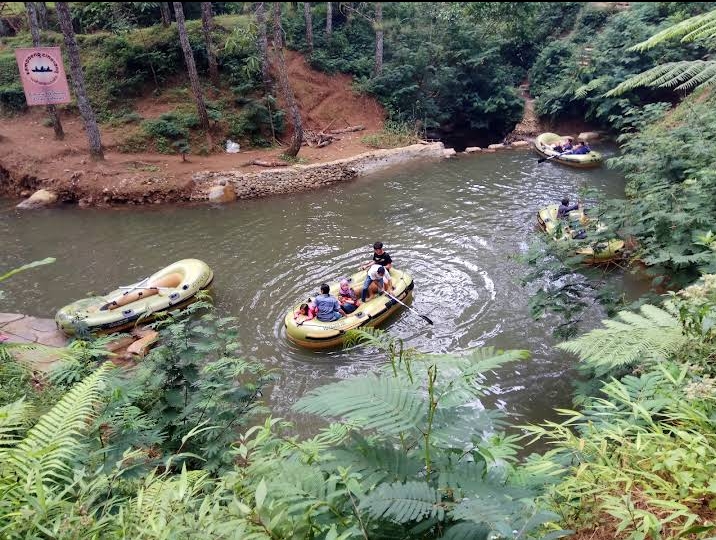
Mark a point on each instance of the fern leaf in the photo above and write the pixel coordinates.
(48, 451)
(402, 503)
(653, 334)
(697, 27)
(681, 75)
(386, 404)
(13, 417)
(586, 89)
(466, 530)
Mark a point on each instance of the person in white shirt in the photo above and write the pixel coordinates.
(378, 279)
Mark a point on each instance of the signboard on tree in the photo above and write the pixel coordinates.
(43, 75)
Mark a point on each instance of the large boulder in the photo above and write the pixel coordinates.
(39, 199)
(589, 136)
(222, 194)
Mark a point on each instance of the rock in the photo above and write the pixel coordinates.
(39, 199)
(520, 144)
(499, 146)
(25, 193)
(589, 136)
(142, 346)
(222, 194)
(449, 152)
(472, 149)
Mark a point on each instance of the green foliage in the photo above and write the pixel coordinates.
(571, 76)
(651, 336)
(192, 381)
(257, 122)
(393, 135)
(669, 167)
(12, 100)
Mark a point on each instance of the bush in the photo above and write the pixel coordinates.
(12, 100)
(393, 135)
(252, 126)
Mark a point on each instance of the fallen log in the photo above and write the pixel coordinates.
(347, 130)
(265, 163)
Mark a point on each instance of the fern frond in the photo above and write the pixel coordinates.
(160, 494)
(402, 503)
(48, 451)
(698, 27)
(585, 89)
(377, 463)
(686, 74)
(466, 530)
(13, 417)
(389, 405)
(653, 334)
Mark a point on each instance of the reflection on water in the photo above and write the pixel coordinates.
(455, 225)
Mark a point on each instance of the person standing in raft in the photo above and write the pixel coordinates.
(377, 280)
(379, 257)
(327, 307)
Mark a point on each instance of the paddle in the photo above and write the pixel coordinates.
(542, 160)
(146, 288)
(427, 319)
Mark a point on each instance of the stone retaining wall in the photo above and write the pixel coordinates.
(309, 177)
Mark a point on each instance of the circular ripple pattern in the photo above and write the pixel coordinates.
(456, 226)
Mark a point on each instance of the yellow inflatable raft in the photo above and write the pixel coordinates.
(568, 228)
(543, 146)
(172, 287)
(315, 334)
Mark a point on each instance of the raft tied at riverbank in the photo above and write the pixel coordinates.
(315, 334)
(172, 287)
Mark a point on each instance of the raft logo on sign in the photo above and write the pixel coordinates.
(43, 75)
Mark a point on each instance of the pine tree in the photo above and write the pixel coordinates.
(263, 44)
(378, 25)
(166, 13)
(191, 67)
(78, 81)
(309, 25)
(297, 137)
(32, 15)
(207, 25)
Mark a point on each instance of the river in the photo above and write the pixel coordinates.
(456, 225)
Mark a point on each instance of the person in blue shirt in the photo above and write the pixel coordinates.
(327, 307)
(581, 149)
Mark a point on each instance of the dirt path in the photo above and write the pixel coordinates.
(30, 158)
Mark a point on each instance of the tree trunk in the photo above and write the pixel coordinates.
(263, 45)
(309, 25)
(329, 19)
(207, 25)
(41, 14)
(378, 24)
(78, 81)
(191, 67)
(166, 13)
(35, 31)
(297, 137)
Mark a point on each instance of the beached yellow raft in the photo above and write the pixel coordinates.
(596, 253)
(543, 145)
(315, 334)
(172, 287)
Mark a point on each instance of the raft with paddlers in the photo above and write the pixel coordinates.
(572, 227)
(315, 334)
(172, 287)
(544, 146)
